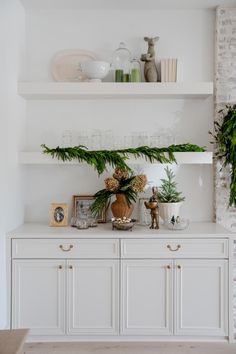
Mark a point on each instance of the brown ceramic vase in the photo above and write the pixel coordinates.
(120, 207)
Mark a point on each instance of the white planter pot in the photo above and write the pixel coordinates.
(167, 210)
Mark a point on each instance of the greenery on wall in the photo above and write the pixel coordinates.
(100, 159)
(225, 141)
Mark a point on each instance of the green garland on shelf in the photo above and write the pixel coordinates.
(99, 159)
(225, 143)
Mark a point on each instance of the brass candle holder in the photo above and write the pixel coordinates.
(153, 205)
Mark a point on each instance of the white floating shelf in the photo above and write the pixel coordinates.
(92, 90)
(38, 158)
(123, 5)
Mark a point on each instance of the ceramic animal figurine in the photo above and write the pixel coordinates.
(150, 69)
(152, 204)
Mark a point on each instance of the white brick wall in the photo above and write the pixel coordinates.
(225, 92)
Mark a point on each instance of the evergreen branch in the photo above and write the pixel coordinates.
(117, 158)
(225, 142)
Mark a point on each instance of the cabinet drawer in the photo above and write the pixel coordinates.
(65, 248)
(173, 248)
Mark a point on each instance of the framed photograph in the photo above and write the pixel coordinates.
(59, 214)
(81, 204)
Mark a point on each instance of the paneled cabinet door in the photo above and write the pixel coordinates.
(93, 288)
(38, 296)
(201, 297)
(147, 287)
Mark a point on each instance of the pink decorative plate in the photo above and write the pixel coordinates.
(65, 65)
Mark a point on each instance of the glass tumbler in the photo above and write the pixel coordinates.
(66, 138)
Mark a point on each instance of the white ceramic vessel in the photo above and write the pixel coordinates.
(167, 210)
(95, 70)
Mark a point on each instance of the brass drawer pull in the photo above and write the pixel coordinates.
(168, 266)
(173, 250)
(179, 266)
(66, 249)
(70, 267)
(60, 266)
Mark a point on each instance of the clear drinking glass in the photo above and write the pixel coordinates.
(107, 140)
(127, 141)
(143, 139)
(135, 139)
(83, 138)
(96, 140)
(67, 138)
(155, 140)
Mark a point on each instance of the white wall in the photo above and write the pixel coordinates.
(12, 117)
(188, 35)
(185, 34)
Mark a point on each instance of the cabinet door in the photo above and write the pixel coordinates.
(38, 296)
(147, 287)
(201, 297)
(93, 288)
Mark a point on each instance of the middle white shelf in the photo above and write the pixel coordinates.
(38, 158)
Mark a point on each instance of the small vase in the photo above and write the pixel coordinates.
(120, 207)
(167, 210)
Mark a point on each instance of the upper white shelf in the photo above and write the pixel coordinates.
(123, 4)
(38, 158)
(91, 90)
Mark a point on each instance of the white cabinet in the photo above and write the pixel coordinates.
(201, 297)
(38, 296)
(93, 288)
(56, 297)
(198, 288)
(111, 288)
(147, 294)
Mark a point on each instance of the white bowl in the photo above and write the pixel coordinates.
(95, 70)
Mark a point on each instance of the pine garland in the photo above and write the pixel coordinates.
(225, 142)
(99, 159)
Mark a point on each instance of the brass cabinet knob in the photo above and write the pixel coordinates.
(70, 267)
(173, 249)
(60, 266)
(179, 266)
(66, 249)
(168, 266)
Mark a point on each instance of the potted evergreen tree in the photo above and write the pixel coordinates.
(170, 200)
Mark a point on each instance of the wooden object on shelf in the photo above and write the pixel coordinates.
(59, 214)
(120, 208)
(152, 204)
(11, 342)
(105, 90)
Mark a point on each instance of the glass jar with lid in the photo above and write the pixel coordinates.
(135, 70)
(121, 63)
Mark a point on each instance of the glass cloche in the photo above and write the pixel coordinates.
(121, 63)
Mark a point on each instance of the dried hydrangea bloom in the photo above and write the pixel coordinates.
(111, 184)
(139, 182)
(120, 174)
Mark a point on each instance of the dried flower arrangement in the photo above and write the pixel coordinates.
(122, 182)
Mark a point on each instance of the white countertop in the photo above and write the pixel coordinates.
(195, 229)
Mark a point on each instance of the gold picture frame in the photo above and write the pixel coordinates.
(59, 214)
(87, 199)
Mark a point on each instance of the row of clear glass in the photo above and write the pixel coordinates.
(99, 140)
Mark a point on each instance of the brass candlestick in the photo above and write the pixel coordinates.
(153, 205)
